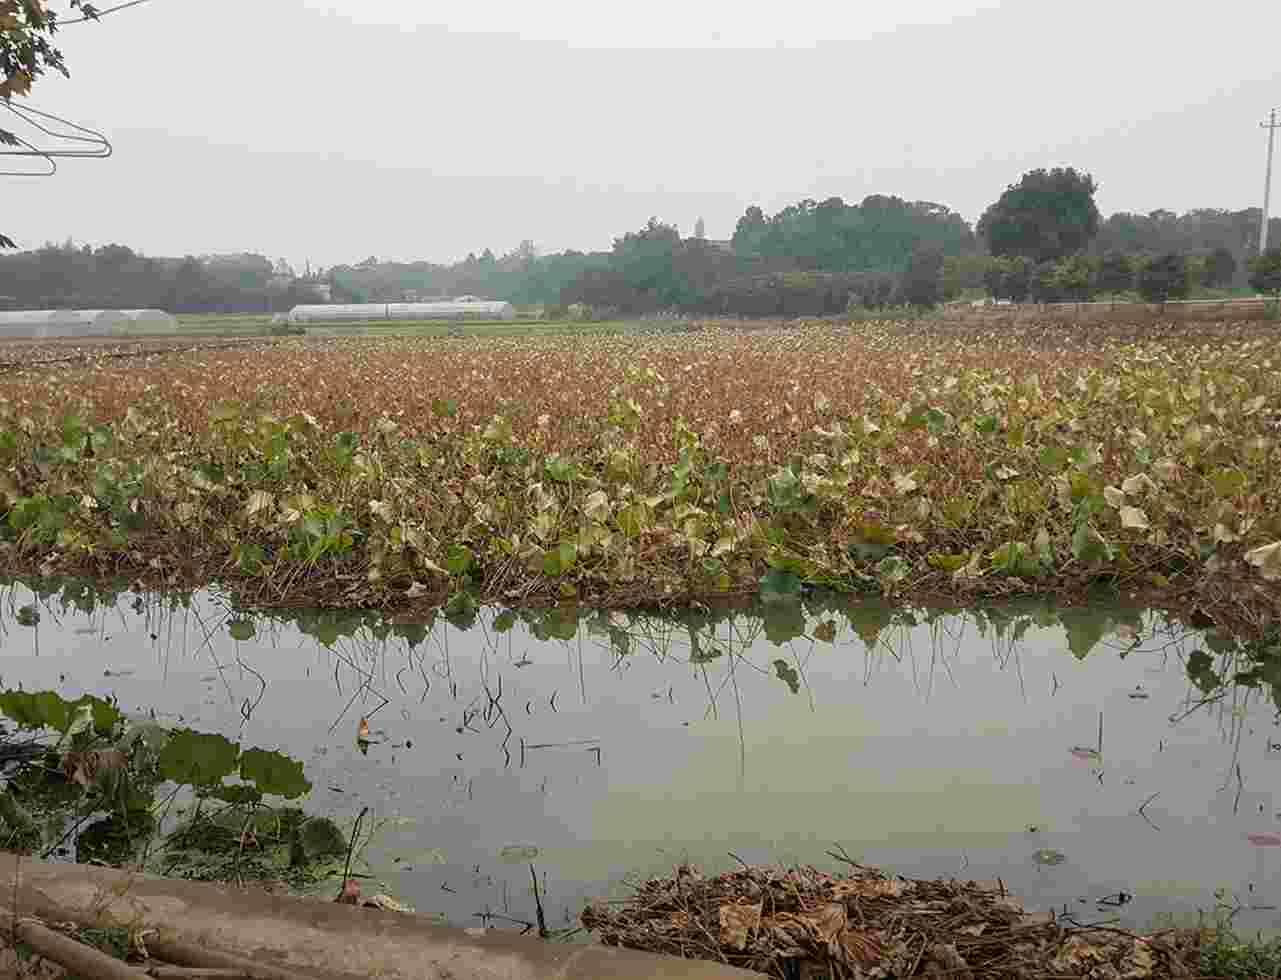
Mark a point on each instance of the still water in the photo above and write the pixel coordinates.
(928, 742)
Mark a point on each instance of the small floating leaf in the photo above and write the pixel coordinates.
(518, 853)
(1047, 857)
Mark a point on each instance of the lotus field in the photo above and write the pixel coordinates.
(873, 459)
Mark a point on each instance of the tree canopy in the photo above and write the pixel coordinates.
(1047, 215)
(1265, 272)
(1164, 278)
(881, 233)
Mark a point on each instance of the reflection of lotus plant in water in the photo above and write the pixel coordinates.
(103, 764)
(1047, 857)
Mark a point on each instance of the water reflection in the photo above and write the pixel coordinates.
(1084, 756)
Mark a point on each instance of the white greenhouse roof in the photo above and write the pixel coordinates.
(76, 323)
(450, 310)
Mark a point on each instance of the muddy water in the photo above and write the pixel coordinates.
(960, 743)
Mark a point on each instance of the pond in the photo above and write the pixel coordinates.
(1100, 759)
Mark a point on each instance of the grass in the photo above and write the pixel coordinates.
(1231, 957)
(897, 459)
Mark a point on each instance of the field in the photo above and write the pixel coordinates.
(910, 460)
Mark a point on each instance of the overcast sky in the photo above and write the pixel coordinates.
(409, 130)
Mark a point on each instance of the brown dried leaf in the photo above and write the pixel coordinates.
(861, 946)
(86, 768)
(736, 922)
(827, 922)
(1138, 962)
(1077, 955)
(871, 888)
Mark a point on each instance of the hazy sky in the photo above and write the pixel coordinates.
(408, 130)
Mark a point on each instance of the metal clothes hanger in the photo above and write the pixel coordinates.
(93, 145)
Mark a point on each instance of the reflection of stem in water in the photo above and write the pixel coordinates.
(1144, 805)
(711, 698)
(738, 706)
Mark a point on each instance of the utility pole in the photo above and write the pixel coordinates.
(1271, 126)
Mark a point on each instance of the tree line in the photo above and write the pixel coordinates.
(1042, 240)
(70, 276)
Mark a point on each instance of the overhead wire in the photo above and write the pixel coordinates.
(83, 134)
(99, 14)
(32, 116)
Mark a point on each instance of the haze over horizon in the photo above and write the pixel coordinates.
(468, 127)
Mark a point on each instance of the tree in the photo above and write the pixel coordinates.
(700, 229)
(1009, 278)
(27, 52)
(922, 282)
(1116, 273)
(1044, 285)
(1220, 267)
(1075, 278)
(872, 289)
(645, 260)
(1164, 278)
(1048, 214)
(1265, 272)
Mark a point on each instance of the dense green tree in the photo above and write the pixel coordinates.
(1009, 278)
(1164, 278)
(1075, 277)
(1220, 267)
(1044, 285)
(831, 236)
(646, 260)
(872, 289)
(1116, 273)
(1048, 214)
(922, 281)
(1199, 230)
(1265, 272)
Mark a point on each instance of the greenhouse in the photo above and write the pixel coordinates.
(152, 319)
(445, 310)
(46, 324)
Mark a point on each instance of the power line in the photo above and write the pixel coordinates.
(99, 14)
(38, 119)
(1271, 126)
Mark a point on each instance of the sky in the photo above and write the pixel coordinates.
(328, 132)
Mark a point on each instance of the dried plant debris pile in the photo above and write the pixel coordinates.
(804, 923)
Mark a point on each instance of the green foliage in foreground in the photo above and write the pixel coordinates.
(113, 777)
(1154, 468)
(1227, 955)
